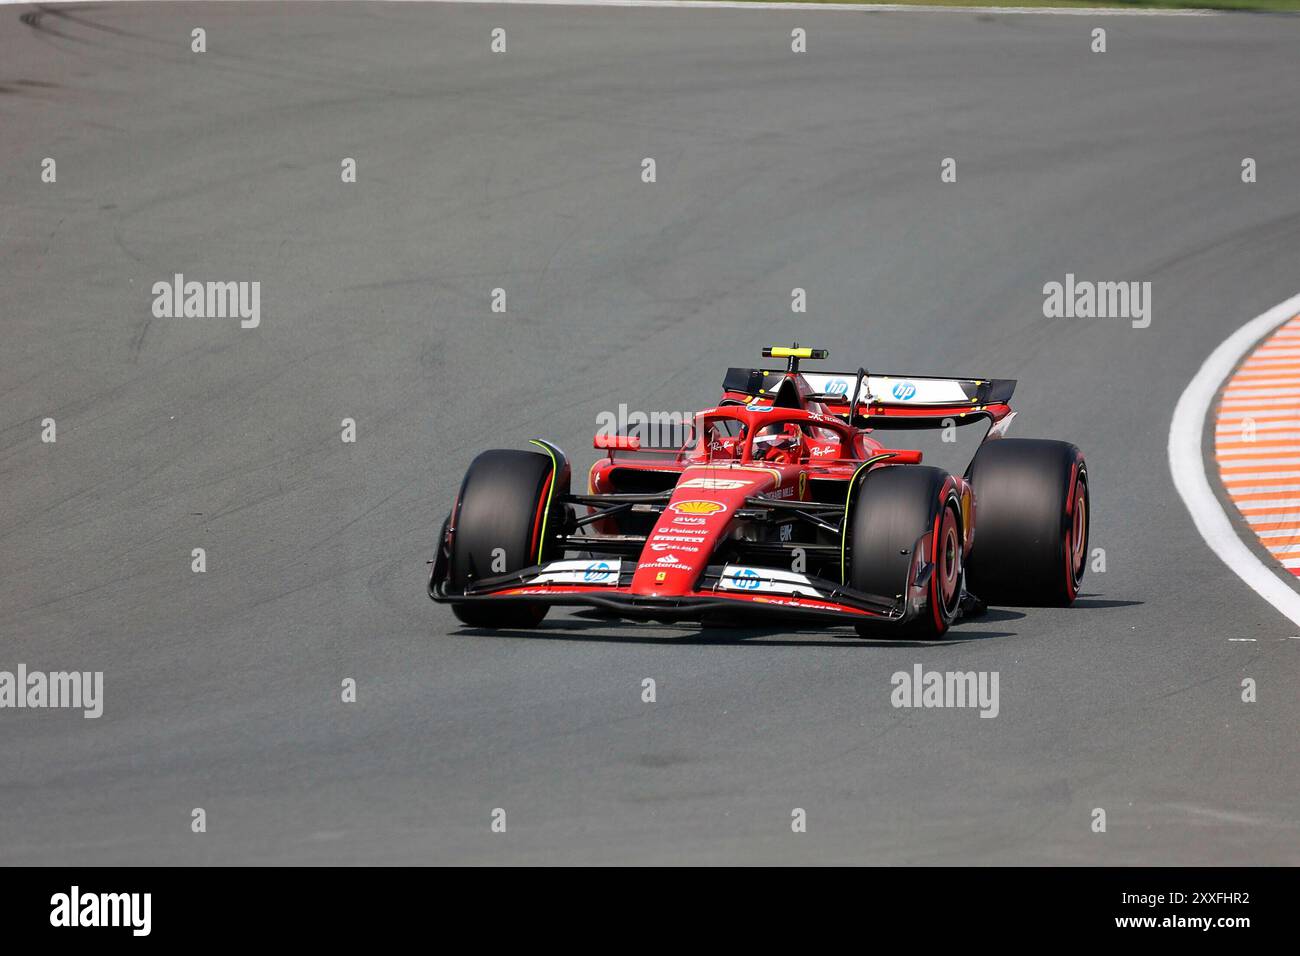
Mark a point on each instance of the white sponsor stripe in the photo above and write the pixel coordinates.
(592, 572)
(1187, 465)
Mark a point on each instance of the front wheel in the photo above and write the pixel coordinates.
(504, 516)
(1032, 512)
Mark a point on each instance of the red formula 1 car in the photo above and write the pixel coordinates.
(783, 502)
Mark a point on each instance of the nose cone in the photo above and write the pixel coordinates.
(696, 518)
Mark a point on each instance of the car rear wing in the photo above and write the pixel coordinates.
(910, 400)
(908, 391)
(885, 400)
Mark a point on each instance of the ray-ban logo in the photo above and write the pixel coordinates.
(179, 299)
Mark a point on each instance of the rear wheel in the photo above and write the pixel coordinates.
(500, 520)
(897, 509)
(1032, 512)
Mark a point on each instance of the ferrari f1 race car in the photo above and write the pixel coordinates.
(786, 500)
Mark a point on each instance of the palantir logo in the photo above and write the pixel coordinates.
(74, 908)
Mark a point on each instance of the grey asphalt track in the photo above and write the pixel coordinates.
(522, 171)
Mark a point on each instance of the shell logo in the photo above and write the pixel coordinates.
(697, 507)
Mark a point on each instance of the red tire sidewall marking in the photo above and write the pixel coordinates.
(936, 603)
(1071, 584)
(937, 609)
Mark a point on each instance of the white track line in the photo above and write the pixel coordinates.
(745, 5)
(1187, 464)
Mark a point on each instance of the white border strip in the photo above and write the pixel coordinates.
(1188, 464)
(746, 5)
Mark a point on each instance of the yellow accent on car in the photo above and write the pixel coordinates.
(550, 494)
